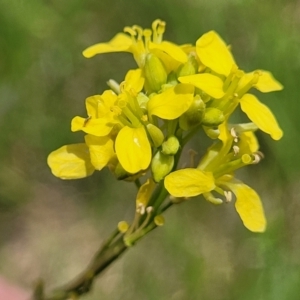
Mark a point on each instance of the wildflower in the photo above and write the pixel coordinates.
(215, 173)
(140, 42)
(227, 86)
(156, 57)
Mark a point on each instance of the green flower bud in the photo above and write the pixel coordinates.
(189, 68)
(213, 117)
(193, 116)
(155, 73)
(156, 135)
(161, 166)
(170, 146)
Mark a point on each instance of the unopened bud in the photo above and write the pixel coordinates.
(194, 115)
(155, 73)
(188, 68)
(213, 117)
(170, 146)
(159, 220)
(161, 165)
(157, 137)
(123, 226)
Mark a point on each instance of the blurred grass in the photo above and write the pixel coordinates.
(51, 228)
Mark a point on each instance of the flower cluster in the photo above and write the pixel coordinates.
(144, 122)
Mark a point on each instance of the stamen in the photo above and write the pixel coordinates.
(114, 86)
(158, 28)
(256, 159)
(250, 84)
(234, 135)
(210, 198)
(258, 156)
(139, 31)
(147, 35)
(130, 31)
(228, 196)
(236, 150)
(149, 209)
(141, 209)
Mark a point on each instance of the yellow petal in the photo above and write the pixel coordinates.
(189, 182)
(172, 103)
(213, 53)
(134, 80)
(210, 84)
(261, 115)
(145, 192)
(101, 150)
(71, 162)
(100, 105)
(248, 140)
(171, 49)
(98, 127)
(119, 43)
(249, 207)
(133, 149)
(267, 83)
(169, 62)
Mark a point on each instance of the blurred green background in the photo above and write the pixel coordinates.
(51, 228)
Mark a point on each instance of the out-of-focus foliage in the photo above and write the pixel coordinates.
(51, 228)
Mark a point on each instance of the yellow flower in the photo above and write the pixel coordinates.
(140, 42)
(214, 173)
(227, 86)
(124, 118)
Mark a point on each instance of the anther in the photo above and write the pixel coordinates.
(140, 209)
(149, 209)
(258, 156)
(228, 196)
(234, 134)
(236, 150)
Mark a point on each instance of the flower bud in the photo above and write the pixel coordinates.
(161, 165)
(193, 116)
(188, 68)
(157, 137)
(159, 220)
(155, 72)
(170, 146)
(213, 117)
(123, 226)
